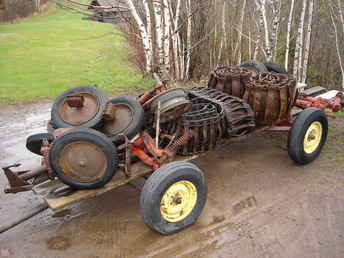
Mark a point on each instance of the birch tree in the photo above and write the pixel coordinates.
(336, 33)
(188, 39)
(176, 38)
(276, 10)
(167, 35)
(299, 42)
(307, 42)
(159, 33)
(143, 34)
(149, 28)
(289, 26)
(261, 5)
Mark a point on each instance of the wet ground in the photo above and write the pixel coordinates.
(260, 204)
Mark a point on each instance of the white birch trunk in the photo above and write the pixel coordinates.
(149, 26)
(266, 30)
(290, 22)
(261, 5)
(337, 44)
(308, 41)
(277, 5)
(38, 5)
(176, 38)
(188, 40)
(159, 34)
(144, 36)
(299, 43)
(167, 36)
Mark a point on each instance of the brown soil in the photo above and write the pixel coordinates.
(260, 204)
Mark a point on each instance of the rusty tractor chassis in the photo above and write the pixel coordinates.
(226, 107)
(58, 196)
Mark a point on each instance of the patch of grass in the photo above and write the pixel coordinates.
(340, 114)
(46, 54)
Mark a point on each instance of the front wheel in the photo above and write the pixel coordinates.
(173, 197)
(308, 136)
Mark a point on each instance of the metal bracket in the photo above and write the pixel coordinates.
(18, 181)
(75, 101)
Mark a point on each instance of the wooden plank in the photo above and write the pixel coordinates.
(313, 91)
(46, 190)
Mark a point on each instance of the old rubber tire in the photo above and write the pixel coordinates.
(137, 119)
(81, 151)
(174, 104)
(259, 66)
(307, 136)
(275, 68)
(167, 97)
(187, 183)
(94, 122)
(34, 142)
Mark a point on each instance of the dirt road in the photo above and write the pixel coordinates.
(259, 205)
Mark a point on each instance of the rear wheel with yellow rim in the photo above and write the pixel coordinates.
(308, 136)
(173, 197)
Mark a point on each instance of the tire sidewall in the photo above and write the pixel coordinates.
(272, 67)
(34, 142)
(93, 137)
(153, 217)
(298, 132)
(169, 96)
(95, 122)
(260, 67)
(138, 118)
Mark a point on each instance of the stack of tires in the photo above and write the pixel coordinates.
(84, 152)
(84, 133)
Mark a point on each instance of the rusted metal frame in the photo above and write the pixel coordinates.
(126, 165)
(18, 181)
(45, 152)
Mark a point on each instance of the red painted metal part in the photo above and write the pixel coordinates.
(157, 90)
(142, 147)
(335, 104)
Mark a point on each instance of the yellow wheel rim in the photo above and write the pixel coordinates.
(178, 201)
(313, 137)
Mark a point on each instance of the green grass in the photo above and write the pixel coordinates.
(341, 114)
(46, 54)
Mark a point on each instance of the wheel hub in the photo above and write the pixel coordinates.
(178, 201)
(313, 137)
(83, 161)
